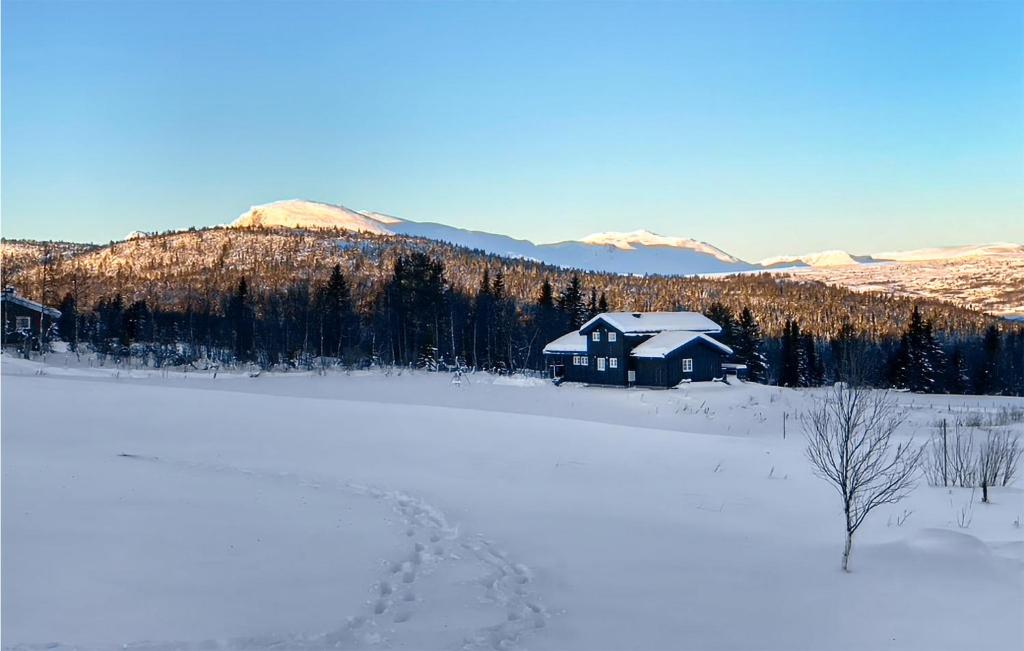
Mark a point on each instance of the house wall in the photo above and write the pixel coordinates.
(668, 371)
(570, 372)
(608, 350)
(8, 317)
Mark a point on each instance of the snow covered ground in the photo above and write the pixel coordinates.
(149, 510)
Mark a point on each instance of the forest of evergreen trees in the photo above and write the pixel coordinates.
(418, 317)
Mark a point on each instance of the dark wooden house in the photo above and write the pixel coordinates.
(23, 320)
(655, 349)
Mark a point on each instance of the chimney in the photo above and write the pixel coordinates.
(636, 315)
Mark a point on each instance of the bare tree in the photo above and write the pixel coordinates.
(850, 443)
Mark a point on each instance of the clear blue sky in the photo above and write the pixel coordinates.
(763, 128)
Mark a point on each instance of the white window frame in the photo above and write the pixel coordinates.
(600, 363)
(613, 362)
(612, 336)
(22, 323)
(575, 360)
(687, 365)
(595, 335)
(583, 360)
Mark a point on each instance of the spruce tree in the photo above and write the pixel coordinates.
(747, 346)
(987, 380)
(570, 302)
(793, 364)
(723, 316)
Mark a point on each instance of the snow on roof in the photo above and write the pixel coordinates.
(31, 305)
(571, 342)
(662, 344)
(648, 322)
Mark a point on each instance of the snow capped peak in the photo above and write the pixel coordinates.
(831, 258)
(299, 213)
(136, 235)
(627, 240)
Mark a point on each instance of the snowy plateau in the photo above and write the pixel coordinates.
(163, 510)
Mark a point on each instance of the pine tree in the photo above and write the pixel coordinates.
(723, 316)
(747, 346)
(602, 304)
(987, 380)
(592, 309)
(67, 324)
(812, 372)
(570, 302)
(336, 317)
(793, 366)
(918, 357)
(957, 380)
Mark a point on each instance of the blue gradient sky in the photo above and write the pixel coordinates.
(763, 128)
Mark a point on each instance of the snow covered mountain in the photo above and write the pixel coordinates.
(637, 252)
(834, 258)
(295, 213)
(839, 258)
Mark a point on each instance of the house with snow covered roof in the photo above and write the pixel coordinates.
(656, 349)
(23, 319)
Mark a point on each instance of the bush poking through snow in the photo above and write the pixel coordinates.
(955, 460)
(849, 443)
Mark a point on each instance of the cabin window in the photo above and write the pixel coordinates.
(600, 363)
(583, 360)
(688, 365)
(22, 322)
(611, 336)
(613, 362)
(595, 335)
(575, 360)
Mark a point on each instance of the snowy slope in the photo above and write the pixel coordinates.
(402, 512)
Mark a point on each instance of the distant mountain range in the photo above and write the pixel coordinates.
(634, 252)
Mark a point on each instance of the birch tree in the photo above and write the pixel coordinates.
(850, 444)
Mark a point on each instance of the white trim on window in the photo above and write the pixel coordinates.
(600, 363)
(612, 336)
(613, 362)
(22, 323)
(688, 365)
(595, 335)
(575, 360)
(583, 360)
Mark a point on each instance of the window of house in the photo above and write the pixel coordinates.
(688, 365)
(22, 322)
(595, 335)
(600, 363)
(613, 362)
(583, 360)
(611, 336)
(575, 360)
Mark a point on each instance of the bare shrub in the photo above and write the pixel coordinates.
(950, 460)
(998, 456)
(850, 444)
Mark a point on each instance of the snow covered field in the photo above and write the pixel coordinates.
(144, 510)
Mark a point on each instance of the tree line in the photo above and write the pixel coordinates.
(418, 317)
